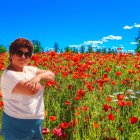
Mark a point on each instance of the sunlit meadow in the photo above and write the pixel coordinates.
(94, 96)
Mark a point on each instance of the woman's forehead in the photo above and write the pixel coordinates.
(23, 49)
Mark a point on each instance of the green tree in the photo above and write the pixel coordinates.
(82, 49)
(2, 48)
(37, 46)
(90, 49)
(56, 47)
(103, 50)
(138, 45)
(68, 49)
(75, 50)
(138, 42)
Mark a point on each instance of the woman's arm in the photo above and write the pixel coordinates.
(21, 88)
(40, 75)
(45, 74)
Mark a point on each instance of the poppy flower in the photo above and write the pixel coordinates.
(121, 103)
(67, 103)
(118, 73)
(120, 96)
(111, 117)
(0, 93)
(106, 107)
(133, 120)
(64, 125)
(95, 125)
(69, 86)
(50, 83)
(45, 131)
(57, 132)
(52, 118)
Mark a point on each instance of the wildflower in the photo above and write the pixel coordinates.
(95, 125)
(106, 107)
(57, 132)
(69, 86)
(133, 97)
(1, 103)
(121, 129)
(52, 118)
(121, 103)
(67, 103)
(111, 117)
(45, 131)
(0, 94)
(84, 108)
(118, 73)
(137, 92)
(113, 82)
(108, 99)
(107, 69)
(64, 125)
(120, 96)
(123, 82)
(133, 120)
(50, 83)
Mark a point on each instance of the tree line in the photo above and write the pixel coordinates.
(38, 48)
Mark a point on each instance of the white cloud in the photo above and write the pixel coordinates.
(75, 46)
(92, 42)
(111, 37)
(136, 25)
(128, 27)
(131, 51)
(133, 43)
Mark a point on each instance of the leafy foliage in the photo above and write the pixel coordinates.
(37, 46)
(2, 49)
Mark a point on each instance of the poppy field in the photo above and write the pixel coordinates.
(94, 96)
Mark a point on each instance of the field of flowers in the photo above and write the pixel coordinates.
(94, 96)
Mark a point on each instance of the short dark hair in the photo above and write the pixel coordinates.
(20, 43)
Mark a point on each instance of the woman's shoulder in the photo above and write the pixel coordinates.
(31, 68)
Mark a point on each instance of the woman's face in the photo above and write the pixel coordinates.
(20, 58)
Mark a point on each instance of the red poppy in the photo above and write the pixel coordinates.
(52, 118)
(121, 103)
(0, 94)
(64, 125)
(45, 131)
(107, 69)
(128, 103)
(106, 107)
(111, 117)
(113, 82)
(84, 108)
(69, 86)
(95, 125)
(50, 83)
(108, 99)
(133, 120)
(1, 103)
(118, 73)
(123, 82)
(67, 103)
(120, 96)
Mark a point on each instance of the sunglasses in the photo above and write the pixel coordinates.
(20, 53)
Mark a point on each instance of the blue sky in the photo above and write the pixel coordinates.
(102, 23)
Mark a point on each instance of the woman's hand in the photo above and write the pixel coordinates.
(34, 83)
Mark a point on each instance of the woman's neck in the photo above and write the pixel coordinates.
(15, 68)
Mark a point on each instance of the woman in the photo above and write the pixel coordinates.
(23, 112)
